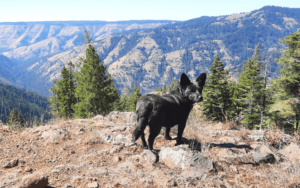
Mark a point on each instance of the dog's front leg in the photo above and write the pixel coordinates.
(167, 133)
(181, 127)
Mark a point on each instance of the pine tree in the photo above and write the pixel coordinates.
(288, 83)
(15, 118)
(63, 98)
(249, 91)
(95, 87)
(216, 92)
(122, 105)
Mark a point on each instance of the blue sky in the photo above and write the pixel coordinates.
(116, 10)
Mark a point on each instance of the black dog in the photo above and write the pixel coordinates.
(167, 110)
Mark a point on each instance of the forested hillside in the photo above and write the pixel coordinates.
(32, 106)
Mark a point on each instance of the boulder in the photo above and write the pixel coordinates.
(182, 157)
(34, 181)
(131, 117)
(54, 136)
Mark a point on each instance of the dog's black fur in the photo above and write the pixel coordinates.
(167, 110)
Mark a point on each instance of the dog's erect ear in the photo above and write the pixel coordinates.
(201, 79)
(184, 80)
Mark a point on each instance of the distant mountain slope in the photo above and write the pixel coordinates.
(6, 73)
(24, 43)
(28, 103)
(156, 56)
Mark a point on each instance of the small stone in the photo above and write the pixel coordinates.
(116, 159)
(263, 157)
(148, 157)
(11, 164)
(93, 185)
(28, 169)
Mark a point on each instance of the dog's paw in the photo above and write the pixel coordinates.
(168, 138)
(178, 143)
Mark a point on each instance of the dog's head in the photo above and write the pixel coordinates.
(192, 90)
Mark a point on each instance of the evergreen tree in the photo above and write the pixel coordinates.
(15, 118)
(249, 91)
(123, 102)
(288, 83)
(133, 98)
(127, 102)
(216, 92)
(54, 103)
(95, 87)
(66, 91)
(63, 98)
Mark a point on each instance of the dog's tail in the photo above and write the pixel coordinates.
(142, 119)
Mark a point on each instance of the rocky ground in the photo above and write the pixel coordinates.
(98, 152)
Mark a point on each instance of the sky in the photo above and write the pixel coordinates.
(119, 10)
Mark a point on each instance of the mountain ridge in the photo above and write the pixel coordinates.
(155, 56)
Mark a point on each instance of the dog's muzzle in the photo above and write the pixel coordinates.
(196, 98)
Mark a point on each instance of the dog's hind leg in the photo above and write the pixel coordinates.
(154, 131)
(139, 130)
(167, 133)
(145, 146)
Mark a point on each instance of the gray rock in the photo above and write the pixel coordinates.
(111, 114)
(115, 139)
(182, 157)
(131, 117)
(263, 157)
(148, 157)
(263, 149)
